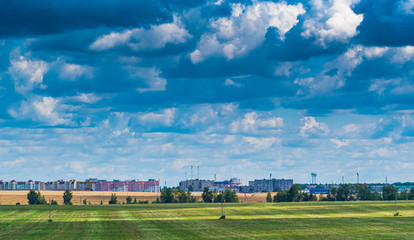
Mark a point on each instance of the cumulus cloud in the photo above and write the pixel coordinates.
(73, 71)
(312, 127)
(152, 78)
(45, 109)
(261, 143)
(84, 98)
(334, 74)
(27, 73)
(165, 117)
(234, 36)
(340, 143)
(332, 20)
(140, 39)
(253, 123)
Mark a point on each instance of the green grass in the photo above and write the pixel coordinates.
(319, 220)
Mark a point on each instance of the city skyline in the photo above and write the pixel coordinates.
(137, 89)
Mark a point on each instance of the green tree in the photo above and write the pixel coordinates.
(230, 195)
(113, 199)
(411, 195)
(167, 196)
(129, 200)
(190, 197)
(182, 196)
(404, 195)
(85, 202)
(343, 192)
(389, 192)
(294, 193)
(363, 193)
(218, 197)
(281, 196)
(35, 198)
(67, 197)
(269, 197)
(190, 188)
(207, 195)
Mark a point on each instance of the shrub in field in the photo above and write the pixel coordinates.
(143, 202)
(135, 200)
(53, 202)
(101, 203)
(67, 197)
(268, 197)
(85, 202)
(35, 198)
(113, 199)
(129, 200)
(17, 203)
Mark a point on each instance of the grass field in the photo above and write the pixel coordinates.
(316, 220)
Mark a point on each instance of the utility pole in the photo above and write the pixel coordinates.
(50, 215)
(222, 196)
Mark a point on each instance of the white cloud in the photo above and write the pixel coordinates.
(166, 117)
(252, 123)
(340, 143)
(335, 73)
(407, 6)
(139, 39)
(234, 36)
(85, 98)
(311, 126)
(152, 77)
(45, 109)
(230, 82)
(285, 69)
(27, 74)
(18, 162)
(332, 20)
(261, 143)
(375, 52)
(73, 71)
(403, 54)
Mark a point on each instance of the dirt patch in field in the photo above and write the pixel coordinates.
(13, 197)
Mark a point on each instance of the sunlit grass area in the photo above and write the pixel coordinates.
(315, 220)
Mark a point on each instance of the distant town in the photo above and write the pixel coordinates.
(193, 185)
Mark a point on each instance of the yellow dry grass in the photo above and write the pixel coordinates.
(13, 197)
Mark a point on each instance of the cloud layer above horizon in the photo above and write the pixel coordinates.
(134, 89)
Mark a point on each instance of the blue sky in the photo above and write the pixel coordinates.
(144, 89)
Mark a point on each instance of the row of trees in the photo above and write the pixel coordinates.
(169, 195)
(228, 195)
(350, 192)
(36, 198)
(294, 194)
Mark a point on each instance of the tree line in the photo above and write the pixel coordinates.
(345, 192)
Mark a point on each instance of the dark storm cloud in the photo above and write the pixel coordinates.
(38, 17)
